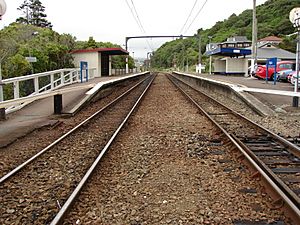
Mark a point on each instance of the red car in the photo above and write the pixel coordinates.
(282, 65)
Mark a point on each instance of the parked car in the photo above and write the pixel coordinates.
(283, 75)
(294, 78)
(282, 65)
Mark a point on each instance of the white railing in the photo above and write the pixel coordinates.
(122, 71)
(58, 79)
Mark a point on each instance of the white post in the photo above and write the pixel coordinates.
(109, 66)
(71, 77)
(16, 90)
(210, 61)
(36, 85)
(52, 80)
(62, 78)
(127, 68)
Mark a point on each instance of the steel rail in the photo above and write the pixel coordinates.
(21, 166)
(292, 147)
(294, 209)
(59, 217)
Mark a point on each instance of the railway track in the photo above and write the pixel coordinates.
(42, 187)
(275, 160)
(12, 154)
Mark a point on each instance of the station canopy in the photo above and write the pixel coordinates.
(234, 47)
(231, 52)
(106, 51)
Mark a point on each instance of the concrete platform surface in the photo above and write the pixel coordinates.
(276, 102)
(39, 113)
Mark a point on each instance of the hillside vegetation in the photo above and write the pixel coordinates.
(52, 50)
(273, 19)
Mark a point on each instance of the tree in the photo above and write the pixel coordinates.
(91, 43)
(33, 13)
(273, 19)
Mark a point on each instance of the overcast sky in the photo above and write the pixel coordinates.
(111, 20)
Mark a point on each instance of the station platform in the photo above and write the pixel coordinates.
(39, 113)
(278, 98)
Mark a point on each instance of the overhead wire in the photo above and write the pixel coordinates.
(137, 19)
(187, 19)
(200, 10)
(137, 16)
(132, 13)
(143, 30)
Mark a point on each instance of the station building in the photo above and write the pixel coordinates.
(230, 56)
(99, 58)
(234, 55)
(267, 50)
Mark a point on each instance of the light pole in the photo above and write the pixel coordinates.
(183, 58)
(254, 39)
(200, 54)
(149, 59)
(296, 98)
(210, 57)
(31, 58)
(133, 62)
(295, 19)
(2, 12)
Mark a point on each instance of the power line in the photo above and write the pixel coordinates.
(187, 19)
(137, 15)
(196, 15)
(132, 13)
(137, 19)
(143, 30)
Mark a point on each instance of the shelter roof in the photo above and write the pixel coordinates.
(232, 52)
(108, 51)
(237, 39)
(271, 38)
(265, 52)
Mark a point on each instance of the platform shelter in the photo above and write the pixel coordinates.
(98, 58)
(229, 56)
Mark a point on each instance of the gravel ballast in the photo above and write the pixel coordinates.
(170, 166)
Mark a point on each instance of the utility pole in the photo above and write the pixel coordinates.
(148, 60)
(295, 19)
(126, 48)
(210, 57)
(254, 40)
(2, 12)
(2, 110)
(183, 56)
(200, 54)
(133, 62)
(297, 25)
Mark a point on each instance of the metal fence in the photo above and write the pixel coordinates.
(41, 82)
